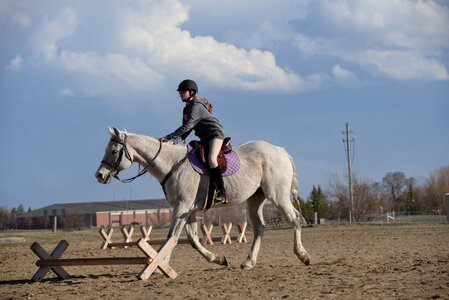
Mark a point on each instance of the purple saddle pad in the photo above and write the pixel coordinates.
(232, 158)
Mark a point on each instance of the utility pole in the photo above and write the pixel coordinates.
(348, 141)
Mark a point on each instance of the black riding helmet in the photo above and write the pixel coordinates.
(188, 85)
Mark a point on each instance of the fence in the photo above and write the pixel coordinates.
(409, 217)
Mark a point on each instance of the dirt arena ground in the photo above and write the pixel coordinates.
(408, 261)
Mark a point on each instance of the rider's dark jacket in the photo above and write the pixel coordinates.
(197, 117)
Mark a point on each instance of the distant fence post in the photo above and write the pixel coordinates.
(55, 222)
(446, 197)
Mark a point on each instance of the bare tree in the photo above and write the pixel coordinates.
(4, 218)
(435, 187)
(365, 193)
(366, 199)
(395, 186)
(337, 193)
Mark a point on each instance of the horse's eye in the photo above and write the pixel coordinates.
(114, 151)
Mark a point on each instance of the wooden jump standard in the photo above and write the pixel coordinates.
(206, 239)
(151, 261)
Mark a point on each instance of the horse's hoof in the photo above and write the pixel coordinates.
(305, 258)
(246, 266)
(224, 261)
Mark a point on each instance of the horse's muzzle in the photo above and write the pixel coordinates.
(103, 176)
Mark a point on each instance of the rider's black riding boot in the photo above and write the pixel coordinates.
(217, 179)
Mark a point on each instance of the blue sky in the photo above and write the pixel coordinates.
(289, 72)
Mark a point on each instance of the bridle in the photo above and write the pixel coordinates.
(124, 152)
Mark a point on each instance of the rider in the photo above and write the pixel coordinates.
(197, 116)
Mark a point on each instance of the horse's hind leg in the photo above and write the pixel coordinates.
(255, 210)
(295, 217)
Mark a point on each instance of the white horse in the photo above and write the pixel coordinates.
(266, 172)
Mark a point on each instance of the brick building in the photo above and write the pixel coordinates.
(155, 212)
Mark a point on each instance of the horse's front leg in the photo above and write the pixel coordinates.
(192, 235)
(179, 218)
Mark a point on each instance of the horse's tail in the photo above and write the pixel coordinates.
(295, 190)
(295, 184)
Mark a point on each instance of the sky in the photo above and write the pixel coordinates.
(290, 72)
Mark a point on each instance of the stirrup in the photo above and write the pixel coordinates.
(220, 198)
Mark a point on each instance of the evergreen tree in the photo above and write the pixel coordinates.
(20, 209)
(319, 203)
(315, 199)
(410, 199)
(12, 218)
(307, 209)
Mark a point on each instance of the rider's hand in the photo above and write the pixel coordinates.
(164, 140)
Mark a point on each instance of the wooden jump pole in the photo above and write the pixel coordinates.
(150, 242)
(153, 259)
(93, 261)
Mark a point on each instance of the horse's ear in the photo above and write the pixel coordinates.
(114, 132)
(117, 132)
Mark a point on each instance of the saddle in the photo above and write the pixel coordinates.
(228, 159)
(228, 162)
(221, 159)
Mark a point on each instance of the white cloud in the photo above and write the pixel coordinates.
(154, 42)
(315, 81)
(153, 47)
(67, 92)
(345, 77)
(154, 31)
(401, 23)
(115, 67)
(399, 39)
(15, 64)
(402, 65)
(54, 30)
(344, 31)
(249, 23)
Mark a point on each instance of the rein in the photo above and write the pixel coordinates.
(170, 173)
(125, 151)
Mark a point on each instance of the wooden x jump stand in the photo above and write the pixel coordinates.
(152, 260)
(106, 234)
(127, 233)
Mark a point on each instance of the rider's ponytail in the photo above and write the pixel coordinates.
(210, 107)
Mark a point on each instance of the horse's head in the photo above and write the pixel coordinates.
(116, 157)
